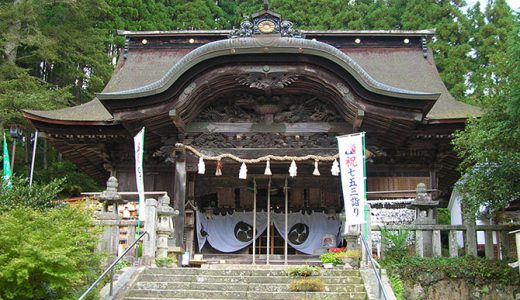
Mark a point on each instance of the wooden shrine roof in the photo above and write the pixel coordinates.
(393, 66)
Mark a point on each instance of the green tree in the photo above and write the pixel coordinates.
(46, 254)
(490, 31)
(489, 146)
(21, 195)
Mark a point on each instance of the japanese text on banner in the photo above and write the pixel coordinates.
(352, 164)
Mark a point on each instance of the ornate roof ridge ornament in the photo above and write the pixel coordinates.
(266, 22)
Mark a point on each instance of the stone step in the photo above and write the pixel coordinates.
(239, 287)
(210, 294)
(242, 272)
(243, 279)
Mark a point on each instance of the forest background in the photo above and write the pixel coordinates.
(59, 53)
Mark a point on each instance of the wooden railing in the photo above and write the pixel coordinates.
(469, 237)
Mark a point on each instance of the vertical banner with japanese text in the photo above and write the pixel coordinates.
(139, 174)
(352, 166)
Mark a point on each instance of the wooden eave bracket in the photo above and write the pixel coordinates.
(358, 120)
(178, 122)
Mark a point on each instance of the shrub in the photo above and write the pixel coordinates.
(307, 285)
(330, 257)
(397, 286)
(21, 195)
(478, 270)
(395, 244)
(47, 254)
(164, 262)
(303, 271)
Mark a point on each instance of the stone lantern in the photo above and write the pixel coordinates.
(425, 211)
(165, 214)
(110, 197)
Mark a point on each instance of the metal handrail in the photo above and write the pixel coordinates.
(111, 269)
(375, 266)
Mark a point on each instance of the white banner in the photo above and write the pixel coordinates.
(139, 175)
(352, 166)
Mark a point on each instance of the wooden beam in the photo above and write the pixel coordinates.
(248, 127)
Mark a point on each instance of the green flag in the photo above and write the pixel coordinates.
(7, 167)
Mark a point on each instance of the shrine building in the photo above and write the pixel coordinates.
(264, 89)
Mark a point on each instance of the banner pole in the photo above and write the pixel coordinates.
(254, 220)
(365, 187)
(33, 156)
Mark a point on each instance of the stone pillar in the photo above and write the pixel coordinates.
(471, 238)
(351, 235)
(419, 243)
(150, 221)
(490, 252)
(424, 215)
(504, 244)
(165, 229)
(436, 243)
(453, 245)
(130, 238)
(109, 242)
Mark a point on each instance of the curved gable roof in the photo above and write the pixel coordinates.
(260, 45)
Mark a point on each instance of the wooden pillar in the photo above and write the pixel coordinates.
(419, 243)
(436, 243)
(189, 217)
(490, 253)
(179, 196)
(453, 245)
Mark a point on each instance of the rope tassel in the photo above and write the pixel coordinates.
(293, 169)
(243, 171)
(316, 171)
(335, 168)
(218, 171)
(202, 166)
(268, 168)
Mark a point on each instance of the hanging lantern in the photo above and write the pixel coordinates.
(202, 166)
(316, 171)
(243, 171)
(335, 168)
(218, 172)
(268, 168)
(293, 169)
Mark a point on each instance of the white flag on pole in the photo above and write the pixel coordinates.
(139, 174)
(352, 165)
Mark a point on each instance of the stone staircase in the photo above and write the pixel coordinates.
(240, 282)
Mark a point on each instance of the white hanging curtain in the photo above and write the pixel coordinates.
(231, 232)
(307, 230)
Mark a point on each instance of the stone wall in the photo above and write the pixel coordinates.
(457, 289)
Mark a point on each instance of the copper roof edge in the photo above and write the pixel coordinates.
(33, 115)
(225, 32)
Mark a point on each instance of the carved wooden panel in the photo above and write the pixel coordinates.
(296, 198)
(226, 197)
(253, 108)
(330, 199)
(315, 197)
(246, 198)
